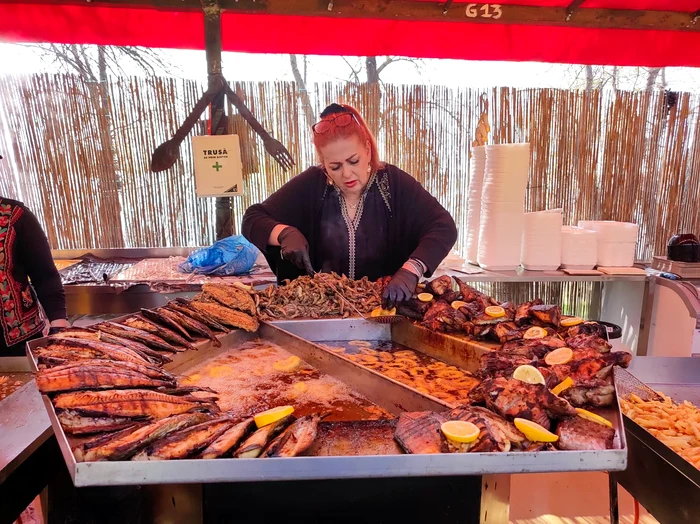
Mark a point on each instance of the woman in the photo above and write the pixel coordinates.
(25, 254)
(353, 214)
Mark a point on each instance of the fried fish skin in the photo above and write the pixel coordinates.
(230, 296)
(228, 316)
(130, 403)
(124, 446)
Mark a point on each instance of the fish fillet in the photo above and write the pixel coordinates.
(230, 296)
(95, 377)
(95, 348)
(228, 316)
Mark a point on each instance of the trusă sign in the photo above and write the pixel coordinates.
(217, 165)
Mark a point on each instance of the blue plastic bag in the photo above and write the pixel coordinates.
(233, 255)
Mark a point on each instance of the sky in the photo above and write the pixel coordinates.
(17, 59)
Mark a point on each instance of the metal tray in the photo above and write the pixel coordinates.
(388, 394)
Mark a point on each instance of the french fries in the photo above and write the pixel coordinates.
(676, 425)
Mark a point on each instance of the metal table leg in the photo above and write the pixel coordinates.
(614, 508)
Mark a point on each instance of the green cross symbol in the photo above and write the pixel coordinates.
(217, 166)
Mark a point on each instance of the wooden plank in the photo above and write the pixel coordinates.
(435, 11)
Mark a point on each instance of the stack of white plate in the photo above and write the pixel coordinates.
(476, 180)
(579, 248)
(617, 241)
(541, 246)
(502, 203)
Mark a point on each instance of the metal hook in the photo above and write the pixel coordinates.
(447, 7)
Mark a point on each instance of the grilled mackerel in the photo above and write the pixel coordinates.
(230, 296)
(131, 403)
(187, 442)
(157, 316)
(190, 324)
(160, 331)
(126, 444)
(74, 423)
(257, 442)
(146, 337)
(96, 376)
(81, 349)
(296, 439)
(227, 316)
(134, 345)
(183, 306)
(229, 440)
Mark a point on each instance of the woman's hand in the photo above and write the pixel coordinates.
(401, 287)
(295, 248)
(58, 325)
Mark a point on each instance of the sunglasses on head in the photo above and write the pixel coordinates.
(340, 120)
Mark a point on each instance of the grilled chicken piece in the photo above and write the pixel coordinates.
(186, 442)
(512, 398)
(579, 434)
(508, 331)
(440, 286)
(501, 364)
(419, 432)
(584, 369)
(74, 423)
(547, 314)
(146, 337)
(588, 341)
(143, 324)
(131, 403)
(588, 328)
(599, 396)
(497, 434)
(227, 316)
(183, 306)
(124, 445)
(296, 439)
(413, 308)
(443, 317)
(522, 312)
(229, 440)
(230, 296)
(257, 442)
(538, 347)
(470, 294)
(191, 325)
(74, 378)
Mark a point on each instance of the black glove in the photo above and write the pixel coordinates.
(54, 330)
(295, 248)
(400, 288)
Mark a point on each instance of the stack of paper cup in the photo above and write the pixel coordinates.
(476, 180)
(502, 203)
(579, 248)
(541, 246)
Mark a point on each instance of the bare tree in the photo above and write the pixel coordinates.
(302, 89)
(589, 78)
(652, 75)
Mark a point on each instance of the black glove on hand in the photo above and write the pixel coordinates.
(295, 248)
(400, 288)
(54, 330)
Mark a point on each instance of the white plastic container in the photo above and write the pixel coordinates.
(617, 242)
(541, 241)
(579, 248)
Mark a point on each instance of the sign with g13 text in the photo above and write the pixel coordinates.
(218, 171)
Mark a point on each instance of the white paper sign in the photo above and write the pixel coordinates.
(218, 170)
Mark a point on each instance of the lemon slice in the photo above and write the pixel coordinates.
(584, 413)
(272, 415)
(460, 431)
(563, 386)
(571, 321)
(535, 332)
(300, 387)
(425, 297)
(559, 356)
(458, 304)
(533, 431)
(495, 311)
(288, 364)
(528, 374)
(379, 312)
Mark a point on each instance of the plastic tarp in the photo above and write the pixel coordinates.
(263, 33)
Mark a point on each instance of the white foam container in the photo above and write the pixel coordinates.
(616, 254)
(617, 242)
(579, 248)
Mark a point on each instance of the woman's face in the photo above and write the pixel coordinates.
(347, 163)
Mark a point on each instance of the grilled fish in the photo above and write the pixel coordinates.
(419, 432)
(157, 316)
(95, 377)
(78, 348)
(296, 439)
(134, 345)
(160, 331)
(227, 316)
(230, 296)
(228, 440)
(74, 423)
(187, 442)
(256, 443)
(131, 403)
(183, 306)
(152, 340)
(72, 332)
(126, 445)
(579, 434)
(148, 370)
(192, 325)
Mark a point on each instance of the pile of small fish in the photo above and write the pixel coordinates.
(318, 296)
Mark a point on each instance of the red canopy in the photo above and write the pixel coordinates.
(330, 35)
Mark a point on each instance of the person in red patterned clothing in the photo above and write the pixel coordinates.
(25, 255)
